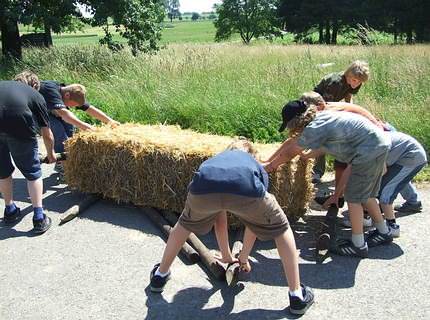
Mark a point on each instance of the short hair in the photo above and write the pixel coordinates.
(312, 97)
(76, 92)
(243, 144)
(29, 78)
(359, 70)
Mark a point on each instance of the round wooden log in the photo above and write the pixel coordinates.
(76, 210)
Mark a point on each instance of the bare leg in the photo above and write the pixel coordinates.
(6, 189)
(287, 251)
(388, 211)
(177, 238)
(356, 216)
(35, 190)
(221, 233)
(374, 210)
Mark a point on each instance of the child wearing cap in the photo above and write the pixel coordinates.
(336, 87)
(234, 181)
(354, 140)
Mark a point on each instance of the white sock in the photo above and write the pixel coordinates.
(163, 275)
(358, 240)
(382, 227)
(297, 293)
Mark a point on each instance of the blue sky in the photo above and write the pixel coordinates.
(197, 5)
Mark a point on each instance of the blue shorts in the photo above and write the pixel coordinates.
(61, 131)
(24, 154)
(395, 180)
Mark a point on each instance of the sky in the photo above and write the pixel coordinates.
(197, 5)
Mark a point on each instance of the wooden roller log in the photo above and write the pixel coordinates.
(233, 270)
(164, 226)
(216, 270)
(76, 210)
(59, 156)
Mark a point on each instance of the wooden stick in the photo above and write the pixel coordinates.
(59, 156)
(164, 226)
(76, 210)
(232, 272)
(215, 269)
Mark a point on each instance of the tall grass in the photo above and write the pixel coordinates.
(233, 89)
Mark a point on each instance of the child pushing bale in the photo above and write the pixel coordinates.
(152, 165)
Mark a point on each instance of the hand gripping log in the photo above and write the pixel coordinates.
(164, 226)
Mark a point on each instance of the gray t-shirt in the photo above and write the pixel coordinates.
(405, 150)
(349, 137)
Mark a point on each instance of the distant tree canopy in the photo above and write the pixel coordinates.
(330, 17)
(195, 16)
(136, 20)
(249, 18)
(172, 9)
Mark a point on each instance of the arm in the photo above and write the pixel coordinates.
(100, 115)
(69, 117)
(48, 140)
(349, 107)
(288, 150)
(248, 242)
(221, 233)
(307, 154)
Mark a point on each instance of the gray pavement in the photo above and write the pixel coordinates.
(97, 267)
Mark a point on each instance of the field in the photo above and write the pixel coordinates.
(230, 88)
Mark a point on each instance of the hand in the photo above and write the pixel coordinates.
(51, 157)
(334, 199)
(306, 155)
(245, 266)
(268, 167)
(113, 123)
(229, 259)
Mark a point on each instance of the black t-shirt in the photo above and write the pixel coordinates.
(333, 87)
(50, 90)
(22, 110)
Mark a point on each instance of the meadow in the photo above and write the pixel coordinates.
(232, 89)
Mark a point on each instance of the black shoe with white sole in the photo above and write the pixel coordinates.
(158, 282)
(299, 306)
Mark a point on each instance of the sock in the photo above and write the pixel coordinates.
(297, 293)
(382, 227)
(358, 240)
(10, 208)
(391, 221)
(38, 213)
(163, 275)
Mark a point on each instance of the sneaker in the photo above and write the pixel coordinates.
(316, 178)
(42, 225)
(347, 248)
(11, 218)
(157, 283)
(394, 229)
(367, 221)
(409, 207)
(298, 306)
(375, 238)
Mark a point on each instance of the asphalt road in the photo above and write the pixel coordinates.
(97, 267)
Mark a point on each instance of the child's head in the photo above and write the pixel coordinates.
(296, 115)
(73, 95)
(357, 73)
(28, 78)
(243, 144)
(314, 98)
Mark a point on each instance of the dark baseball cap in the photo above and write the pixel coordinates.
(291, 110)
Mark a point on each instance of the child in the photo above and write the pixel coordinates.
(336, 87)
(233, 180)
(22, 113)
(353, 140)
(405, 159)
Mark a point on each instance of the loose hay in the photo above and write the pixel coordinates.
(153, 165)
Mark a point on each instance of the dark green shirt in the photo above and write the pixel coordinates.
(333, 87)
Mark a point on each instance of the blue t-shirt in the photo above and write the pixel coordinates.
(233, 172)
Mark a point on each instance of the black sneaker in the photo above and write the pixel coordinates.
(158, 282)
(11, 218)
(298, 306)
(409, 207)
(42, 225)
(375, 238)
(347, 248)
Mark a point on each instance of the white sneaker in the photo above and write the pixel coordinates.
(367, 221)
(394, 229)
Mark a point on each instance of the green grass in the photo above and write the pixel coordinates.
(232, 89)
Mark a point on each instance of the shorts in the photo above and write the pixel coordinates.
(365, 180)
(25, 155)
(395, 179)
(263, 215)
(61, 131)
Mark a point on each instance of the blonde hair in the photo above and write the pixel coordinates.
(359, 70)
(298, 123)
(243, 144)
(312, 97)
(29, 78)
(76, 92)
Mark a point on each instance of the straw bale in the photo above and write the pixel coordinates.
(152, 165)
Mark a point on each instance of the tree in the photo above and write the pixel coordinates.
(172, 9)
(195, 16)
(249, 18)
(10, 12)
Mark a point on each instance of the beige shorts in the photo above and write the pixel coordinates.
(263, 215)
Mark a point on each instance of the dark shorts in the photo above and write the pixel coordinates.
(61, 131)
(24, 154)
(263, 215)
(339, 165)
